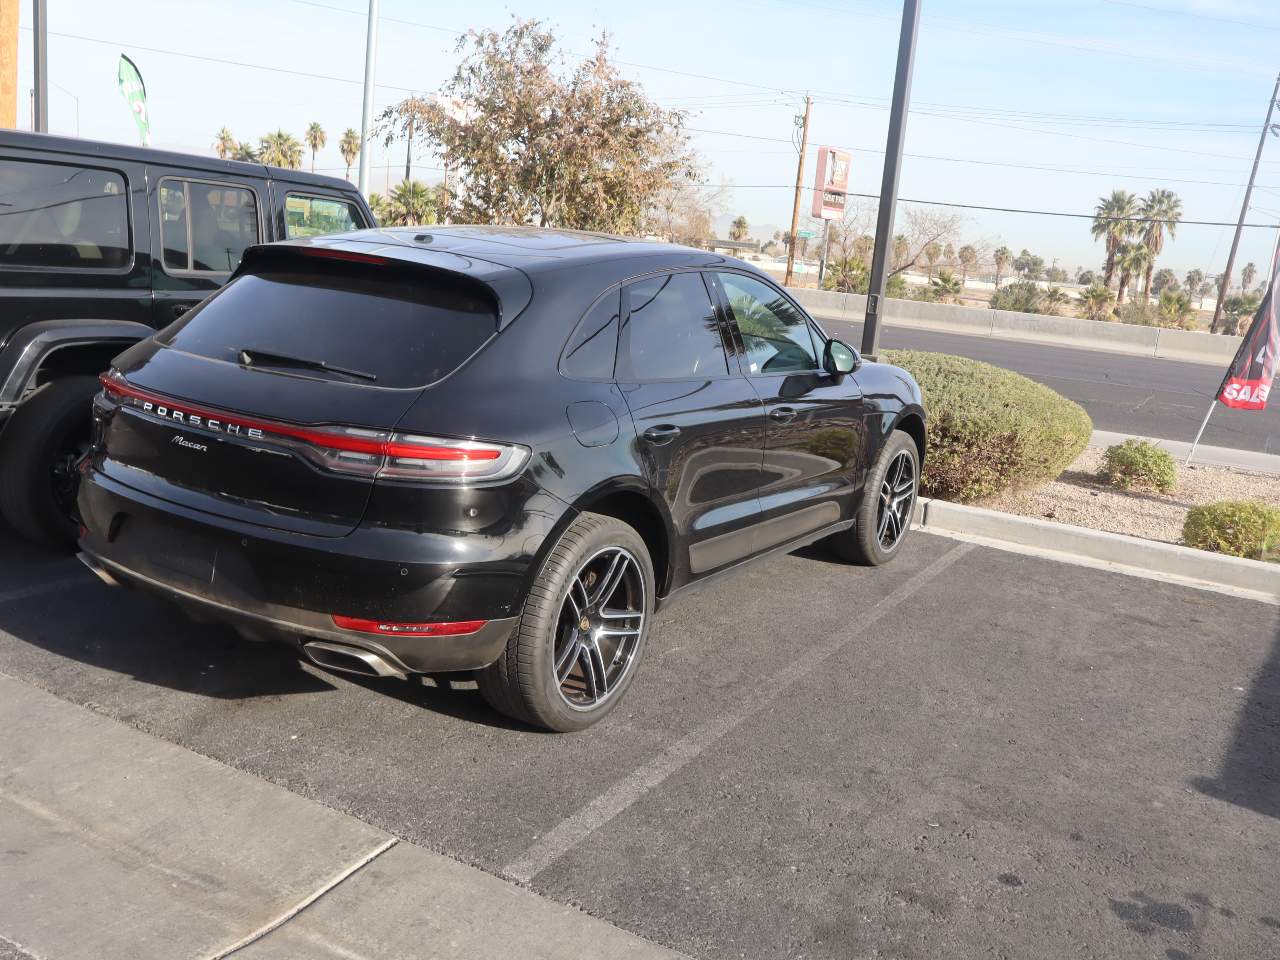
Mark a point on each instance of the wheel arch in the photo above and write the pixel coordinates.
(44, 351)
(911, 422)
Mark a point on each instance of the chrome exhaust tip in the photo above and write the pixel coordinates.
(99, 570)
(349, 659)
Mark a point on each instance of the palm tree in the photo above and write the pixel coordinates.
(280, 149)
(411, 204)
(1098, 301)
(378, 206)
(316, 139)
(738, 229)
(968, 258)
(1131, 260)
(932, 254)
(1175, 308)
(901, 251)
(1112, 223)
(1247, 276)
(1003, 256)
(1162, 209)
(349, 147)
(1055, 298)
(224, 143)
(245, 151)
(946, 286)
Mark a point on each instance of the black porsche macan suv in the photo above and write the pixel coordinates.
(487, 449)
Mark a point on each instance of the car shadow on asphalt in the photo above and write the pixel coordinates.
(1250, 774)
(451, 694)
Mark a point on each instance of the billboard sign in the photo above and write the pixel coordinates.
(831, 187)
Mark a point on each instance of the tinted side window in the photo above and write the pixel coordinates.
(775, 334)
(205, 227)
(591, 350)
(313, 216)
(53, 215)
(670, 331)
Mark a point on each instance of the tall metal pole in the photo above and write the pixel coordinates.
(795, 207)
(408, 152)
(1244, 209)
(40, 97)
(892, 171)
(370, 58)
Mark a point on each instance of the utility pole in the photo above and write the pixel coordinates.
(40, 36)
(408, 151)
(1244, 210)
(892, 171)
(370, 58)
(9, 64)
(795, 207)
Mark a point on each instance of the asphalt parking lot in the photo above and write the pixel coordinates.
(969, 753)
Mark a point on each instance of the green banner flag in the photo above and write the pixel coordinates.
(134, 92)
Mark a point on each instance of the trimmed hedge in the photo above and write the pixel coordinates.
(1241, 528)
(990, 429)
(1141, 465)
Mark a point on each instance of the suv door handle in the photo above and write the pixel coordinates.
(663, 433)
(178, 309)
(783, 414)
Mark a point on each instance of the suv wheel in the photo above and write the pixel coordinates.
(41, 444)
(888, 505)
(582, 632)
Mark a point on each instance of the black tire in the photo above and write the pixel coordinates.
(862, 543)
(522, 683)
(43, 437)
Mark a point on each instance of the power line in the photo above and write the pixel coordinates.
(220, 60)
(1168, 11)
(979, 206)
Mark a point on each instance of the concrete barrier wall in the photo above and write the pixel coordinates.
(1065, 331)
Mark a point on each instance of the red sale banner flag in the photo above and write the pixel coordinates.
(1247, 384)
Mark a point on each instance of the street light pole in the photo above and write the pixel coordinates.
(370, 58)
(892, 171)
(1244, 210)
(40, 92)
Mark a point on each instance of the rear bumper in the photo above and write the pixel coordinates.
(273, 584)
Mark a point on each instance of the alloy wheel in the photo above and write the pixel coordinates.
(897, 500)
(599, 628)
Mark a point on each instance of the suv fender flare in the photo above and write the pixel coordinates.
(32, 345)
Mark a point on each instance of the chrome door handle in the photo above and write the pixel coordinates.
(783, 414)
(663, 433)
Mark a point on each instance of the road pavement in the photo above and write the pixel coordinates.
(968, 754)
(1164, 399)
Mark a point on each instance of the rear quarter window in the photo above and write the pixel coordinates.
(61, 216)
(311, 216)
(403, 329)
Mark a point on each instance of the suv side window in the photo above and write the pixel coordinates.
(55, 215)
(670, 331)
(775, 335)
(206, 226)
(308, 216)
(591, 351)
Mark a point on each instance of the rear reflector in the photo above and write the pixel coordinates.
(354, 450)
(455, 629)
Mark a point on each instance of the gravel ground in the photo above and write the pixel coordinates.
(1083, 498)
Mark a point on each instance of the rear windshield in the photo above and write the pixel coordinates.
(393, 330)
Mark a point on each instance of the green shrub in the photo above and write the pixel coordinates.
(990, 429)
(1241, 528)
(1138, 314)
(1021, 296)
(1140, 464)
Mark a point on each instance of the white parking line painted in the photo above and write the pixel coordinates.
(567, 834)
(37, 589)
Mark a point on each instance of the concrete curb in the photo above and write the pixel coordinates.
(1112, 551)
(1155, 342)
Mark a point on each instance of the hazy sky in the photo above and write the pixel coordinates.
(1149, 93)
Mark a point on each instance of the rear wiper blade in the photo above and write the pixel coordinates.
(260, 358)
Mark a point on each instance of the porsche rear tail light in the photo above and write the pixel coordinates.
(378, 454)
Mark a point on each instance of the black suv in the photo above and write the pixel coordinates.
(100, 245)
(490, 449)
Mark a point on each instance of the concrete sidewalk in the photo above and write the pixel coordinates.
(114, 843)
(1248, 460)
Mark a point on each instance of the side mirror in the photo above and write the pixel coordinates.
(840, 358)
